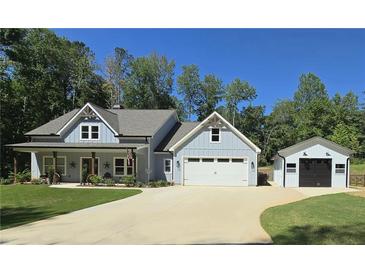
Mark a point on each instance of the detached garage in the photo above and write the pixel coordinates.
(315, 162)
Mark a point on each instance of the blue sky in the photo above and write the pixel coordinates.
(269, 59)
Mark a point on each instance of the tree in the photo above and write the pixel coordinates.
(42, 77)
(310, 89)
(189, 87)
(347, 136)
(236, 92)
(280, 130)
(211, 91)
(312, 108)
(150, 83)
(251, 122)
(117, 69)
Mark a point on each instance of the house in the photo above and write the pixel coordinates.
(148, 144)
(315, 162)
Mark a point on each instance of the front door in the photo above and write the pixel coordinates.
(86, 168)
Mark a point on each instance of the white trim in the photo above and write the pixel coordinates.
(164, 165)
(219, 135)
(47, 156)
(125, 167)
(89, 125)
(198, 127)
(77, 114)
(88, 157)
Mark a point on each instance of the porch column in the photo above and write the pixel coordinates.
(134, 164)
(93, 163)
(54, 166)
(15, 166)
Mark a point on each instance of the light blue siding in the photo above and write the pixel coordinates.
(160, 167)
(230, 146)
(155, 141)
(105, 136)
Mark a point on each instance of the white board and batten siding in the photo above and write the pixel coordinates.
(338, 180)
(229, 147)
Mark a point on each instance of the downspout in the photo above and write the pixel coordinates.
(347, 171)
(283, 168)
(148, 158)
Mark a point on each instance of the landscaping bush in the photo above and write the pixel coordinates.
(95, 179)
(21, 177)
(128, 180)
(160, 183)
(109, 182)
(36, 181)
(4, 181)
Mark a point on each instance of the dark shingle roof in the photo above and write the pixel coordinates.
(176, 134)
(53, 126)
(126, 122)
(314, 141)
(141, 122)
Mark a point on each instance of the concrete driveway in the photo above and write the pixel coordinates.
(172, 215)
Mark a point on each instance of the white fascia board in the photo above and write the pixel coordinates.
(198, 127)
(77, 114)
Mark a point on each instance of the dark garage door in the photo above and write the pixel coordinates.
(315, 172)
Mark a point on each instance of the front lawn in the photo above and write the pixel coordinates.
(21, 204)
(329, 219)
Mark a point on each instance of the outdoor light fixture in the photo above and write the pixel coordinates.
(252, 165)
(178, 164)
(327, 154)
(305, 154)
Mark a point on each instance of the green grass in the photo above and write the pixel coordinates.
(329, 219)
(357, 169)
(21, 204)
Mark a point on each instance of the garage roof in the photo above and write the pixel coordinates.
(312, 142)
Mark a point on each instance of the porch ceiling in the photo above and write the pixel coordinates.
(73, 147)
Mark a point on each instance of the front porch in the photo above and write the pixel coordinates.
(76, 164)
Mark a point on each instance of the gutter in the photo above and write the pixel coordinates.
(172, 165)
(283, 168)
(347, 172)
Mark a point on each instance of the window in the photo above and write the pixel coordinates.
(94, 132)
(167, 165)
(193, 160)
(89, 132)
(215, 135)
(223, 160)
(291, 168)
(340, 168)
(119, 166)
(60, 165)
(84, 132)
(237, 160)
(122, 167)
(207, 160)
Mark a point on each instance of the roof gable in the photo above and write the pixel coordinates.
(312, 142)
(90, 110)
(215, 118)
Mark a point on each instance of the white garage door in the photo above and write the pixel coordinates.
(215, 171)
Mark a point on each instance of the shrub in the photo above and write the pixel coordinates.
(160, 183)
(128, 180)
(95, 179)
(36, 181)
(109, 182)
(4, 181)
(21, 177)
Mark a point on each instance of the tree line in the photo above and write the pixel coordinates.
(43, 76)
